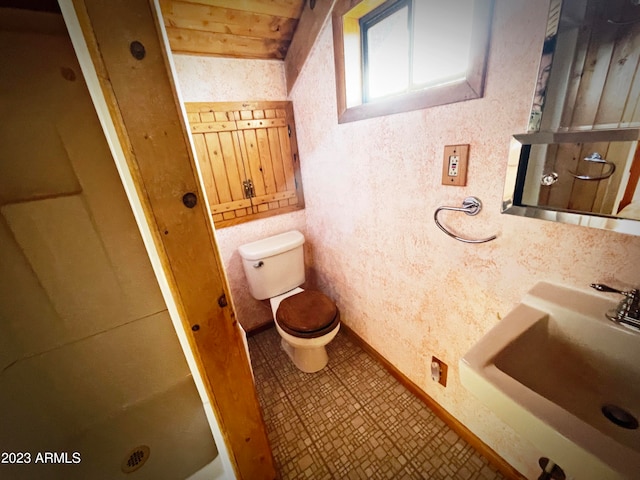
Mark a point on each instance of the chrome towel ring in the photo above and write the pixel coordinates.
(595, 157)
(470, 206)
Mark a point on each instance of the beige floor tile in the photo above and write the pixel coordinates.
(353, 420)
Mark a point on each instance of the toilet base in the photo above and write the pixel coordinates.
(309, 355)
(308, 360)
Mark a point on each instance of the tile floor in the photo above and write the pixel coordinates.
(353, 420)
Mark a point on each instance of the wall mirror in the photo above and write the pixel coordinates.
(579, 161)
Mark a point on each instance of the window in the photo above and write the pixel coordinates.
(399, 55)
(248, 156)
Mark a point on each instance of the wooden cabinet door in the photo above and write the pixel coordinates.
(248, 156)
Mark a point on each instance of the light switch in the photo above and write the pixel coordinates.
(454, 165)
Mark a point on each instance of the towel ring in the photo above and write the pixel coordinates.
(470, 206)
(595, 157)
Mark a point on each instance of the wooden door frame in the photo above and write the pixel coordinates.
(130, 57)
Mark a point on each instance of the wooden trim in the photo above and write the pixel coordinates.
(143, 105)
(256, 216)
(207, 107)
(296, 157)
(453, 423)
(307, 31)
(471, 88)
(262, 327)
(407, 102)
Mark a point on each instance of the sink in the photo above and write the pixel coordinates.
(566, 378)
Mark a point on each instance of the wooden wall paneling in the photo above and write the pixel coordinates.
(577, 69)
(593, 77)
(567, 158)
(193, 16)
(224, 44)
(549, 166)
(280, 8)
(620, 76)
(144, 107)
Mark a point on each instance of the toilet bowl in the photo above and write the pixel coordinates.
(307, 321)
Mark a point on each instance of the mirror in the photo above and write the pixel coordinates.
(579, 161)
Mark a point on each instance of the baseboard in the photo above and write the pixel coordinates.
(496, 460)
(260, 328)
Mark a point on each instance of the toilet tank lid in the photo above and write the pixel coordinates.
(270, 246)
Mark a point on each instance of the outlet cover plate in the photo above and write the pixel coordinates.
(454, 165)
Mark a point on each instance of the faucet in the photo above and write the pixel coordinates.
(628, 310)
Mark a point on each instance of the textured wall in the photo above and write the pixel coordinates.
(371, 189)
(210, 79)
(213, 79)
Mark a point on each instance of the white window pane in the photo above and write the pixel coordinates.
(388, 44)
(442, 40)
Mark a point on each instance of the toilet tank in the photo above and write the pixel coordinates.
(274, 265)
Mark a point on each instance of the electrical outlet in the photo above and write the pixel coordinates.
(439, 371)
(454, 165)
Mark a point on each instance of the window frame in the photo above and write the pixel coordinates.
(346, 15)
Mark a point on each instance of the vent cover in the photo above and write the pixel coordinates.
(135, 459)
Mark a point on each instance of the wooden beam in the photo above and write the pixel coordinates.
(140, 93)
(309, 26)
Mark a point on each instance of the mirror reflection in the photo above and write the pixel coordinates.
(593, 177)
(580, 159)
(587, 76)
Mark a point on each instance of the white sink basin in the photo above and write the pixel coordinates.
(548, 369)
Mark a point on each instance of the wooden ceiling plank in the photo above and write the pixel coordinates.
(190, 16)
(224, 45)
(280, 8)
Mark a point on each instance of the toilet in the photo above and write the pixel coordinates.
(306, 320)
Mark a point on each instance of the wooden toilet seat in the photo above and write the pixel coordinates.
(308, 314)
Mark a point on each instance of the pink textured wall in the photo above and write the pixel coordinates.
(371, 188)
